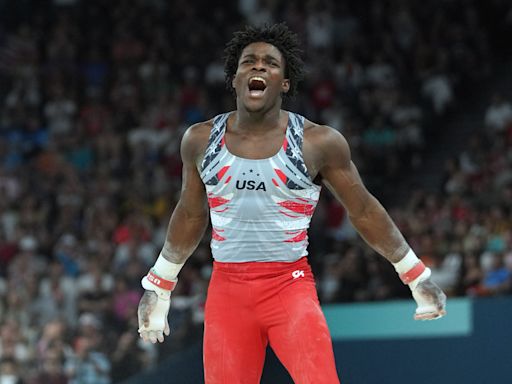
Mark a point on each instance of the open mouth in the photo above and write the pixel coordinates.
(257, 86)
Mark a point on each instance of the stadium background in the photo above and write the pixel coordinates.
(94, 97)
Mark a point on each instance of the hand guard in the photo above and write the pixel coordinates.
(154, 309)
(429, 297)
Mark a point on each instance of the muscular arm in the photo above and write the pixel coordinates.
(190, 217)
(331, 157)
(368, 216)
(184, 232)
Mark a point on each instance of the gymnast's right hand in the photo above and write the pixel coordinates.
(153, 311)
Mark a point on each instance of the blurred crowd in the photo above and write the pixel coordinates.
(95, 96)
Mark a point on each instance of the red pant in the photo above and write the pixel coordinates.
(252, 304)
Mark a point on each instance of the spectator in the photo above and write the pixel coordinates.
(52, 369)
(438, 90)
(87, 366)
(9, 371)
(496, 278)
(498, 116)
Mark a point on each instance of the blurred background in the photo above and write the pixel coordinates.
(94, 98)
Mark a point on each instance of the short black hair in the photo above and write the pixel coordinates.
(281, 37)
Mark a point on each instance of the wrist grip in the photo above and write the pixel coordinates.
(163, 294)
(160, 282)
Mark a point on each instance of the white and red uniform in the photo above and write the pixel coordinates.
(262, 289)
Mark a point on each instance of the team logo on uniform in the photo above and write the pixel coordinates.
(251, 185)
(298, 273)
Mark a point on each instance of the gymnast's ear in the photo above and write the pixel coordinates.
(285, 86)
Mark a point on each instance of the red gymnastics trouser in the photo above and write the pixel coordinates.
(255, 303)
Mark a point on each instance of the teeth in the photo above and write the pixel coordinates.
(258, 78)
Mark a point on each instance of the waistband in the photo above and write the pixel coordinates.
(261, 266)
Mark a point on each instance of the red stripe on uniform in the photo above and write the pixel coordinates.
(305, 209)
(413, 273)
(287, 214)
(222, 172)
(300, 237)
(214, 202)
(216, 236)
(281, 175)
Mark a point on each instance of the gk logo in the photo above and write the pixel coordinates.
(298, 273)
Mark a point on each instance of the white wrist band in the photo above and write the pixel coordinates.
(408, 262)
(167, 269)
(412, 270)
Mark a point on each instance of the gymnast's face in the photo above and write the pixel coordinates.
(260, 79)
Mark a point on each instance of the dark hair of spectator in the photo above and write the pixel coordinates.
(281, 37)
